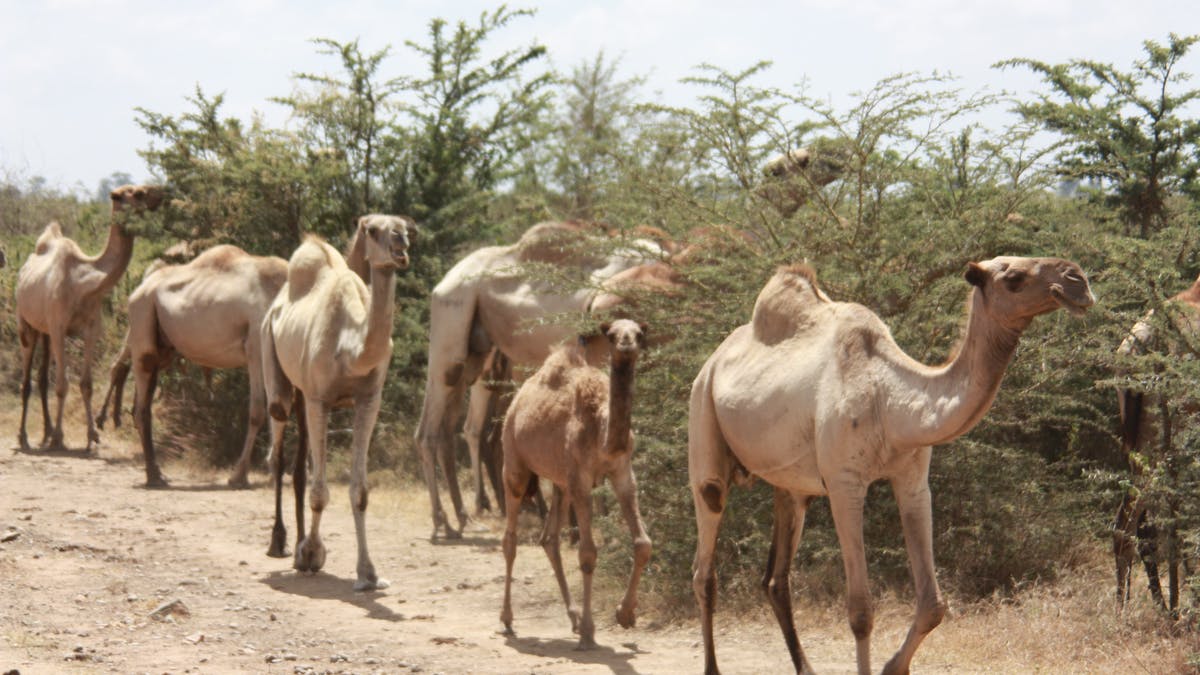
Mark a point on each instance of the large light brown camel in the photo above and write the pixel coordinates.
(491, 299)
(59, 293)
(1146, 423)
(329, 336)
(816, 398)
(209, 312)
(571, 425)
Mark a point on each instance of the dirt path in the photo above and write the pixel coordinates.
(88, 555)
(91, 555)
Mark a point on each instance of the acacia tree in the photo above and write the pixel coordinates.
(1129, 130)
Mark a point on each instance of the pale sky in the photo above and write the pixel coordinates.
(72, 71)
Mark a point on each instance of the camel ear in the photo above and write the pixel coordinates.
(604, 327)
(976, 275)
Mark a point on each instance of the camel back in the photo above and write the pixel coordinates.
(556, 243)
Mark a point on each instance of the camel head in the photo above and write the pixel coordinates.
(137, 198)
(1015, 290)
(386, 238)
(819, 165)
(625, 336)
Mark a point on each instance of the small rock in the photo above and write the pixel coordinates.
(273, 617)
(195, 638)
(339, 658)
(170, 609)
(11, 535)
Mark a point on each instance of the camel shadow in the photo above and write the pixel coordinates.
(61, 452)
(325, 586)
(618, 662)
(471, 540)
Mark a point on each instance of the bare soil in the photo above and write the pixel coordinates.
(88, 556)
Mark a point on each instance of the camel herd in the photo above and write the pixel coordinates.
(813, 396)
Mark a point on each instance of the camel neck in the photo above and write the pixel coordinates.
(620, 404)
(114, 260)
(946, 402)
(377, 340)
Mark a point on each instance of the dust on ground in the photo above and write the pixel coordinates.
(99, 574)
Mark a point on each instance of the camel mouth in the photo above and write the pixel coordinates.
(1075, 308)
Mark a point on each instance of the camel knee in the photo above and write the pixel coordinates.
(862, 619)
(319, 496)
(704, 587)
(358, 496)
(258, 416)
(587, 557)
(642, 548)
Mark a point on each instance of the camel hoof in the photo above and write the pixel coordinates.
(278, 547)
(626, 618)
(573, 615)
(310, 556)
(371, 584)
(586, 644)
(157, 482)
(239, 482)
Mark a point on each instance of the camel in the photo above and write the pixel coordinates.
(816, 398)
(59, 293)
(570, 424)
(1146, 422)
(489, 299)
(328, 335)
(209, 312)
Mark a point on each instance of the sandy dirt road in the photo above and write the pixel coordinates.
(87, 556)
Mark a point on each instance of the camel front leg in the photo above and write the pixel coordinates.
(846, 499)
(310, 554)
(145, 380)
(475, 429)
(579, 492)
(785, 538)
(85, 381)
(625, 486)
(516, 479)
(366, 410)
(552, 544)
(29, 339)
(916, 518)
(257, 416)
(44, 390)
(117, 375)
(58, 351)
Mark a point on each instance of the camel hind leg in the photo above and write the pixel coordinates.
(310, 553)
(785, 539)
(29, 338)
(552, 543)
(516, 481)
(257, 415)
(117, 374)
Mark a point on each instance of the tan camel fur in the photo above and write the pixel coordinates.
(329, 335)
(489, 300)
(1142, 418)
(209, 312)
(59, 293)
(570, 424)
(815, 397)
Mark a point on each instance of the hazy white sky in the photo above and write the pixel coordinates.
(72, 71)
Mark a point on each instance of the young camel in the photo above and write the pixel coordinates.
(59, 293)
(571, 425)
(815, 397)
(329, 336)
(1142, 420)
(209, 312)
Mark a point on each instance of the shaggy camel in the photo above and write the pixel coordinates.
(1146, 422)
(815, 397)
(59, 293)
(489, 300)
(329, 335)
(571, 425)
(209, 312)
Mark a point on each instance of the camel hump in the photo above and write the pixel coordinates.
(222, 257)
(311, 258)
(784, 306)
(53, 231)
(551, 242)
